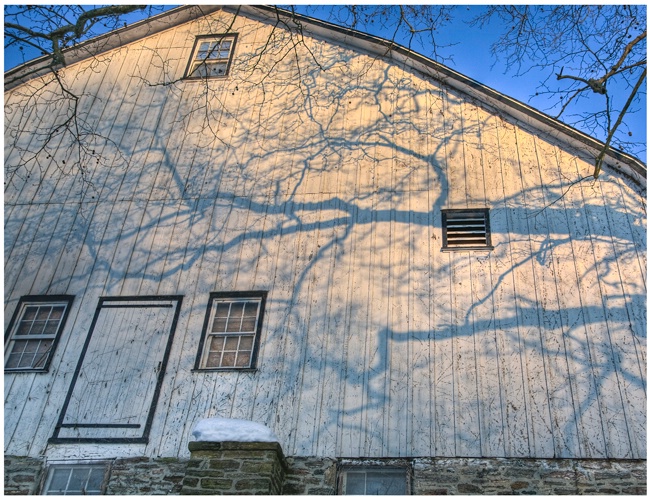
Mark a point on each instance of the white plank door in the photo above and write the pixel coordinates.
(114, 391)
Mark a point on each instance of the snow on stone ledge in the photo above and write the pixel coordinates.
(230, 429)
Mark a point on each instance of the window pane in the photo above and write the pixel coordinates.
(222, 310)
(386, 483)
(43, 313)
(218, 69)
(51, 327)
(216, 344)
(57, 312)
(29, 352)
(38, 327)
(231, 343)
(237, 309)
(246, 343)
(13, 360)
(95, 480)
(30, 312)
(355, 483)
(219, 325)
(59, 481)
(24, 327)
(78, 479)
(243, 359)
(248, 325)
(214, 360)
(228, 359)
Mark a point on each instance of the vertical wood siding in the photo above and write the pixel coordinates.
(327, 191)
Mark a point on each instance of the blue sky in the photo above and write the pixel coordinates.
(468, 52)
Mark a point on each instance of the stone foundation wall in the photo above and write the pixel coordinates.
(253, 470)
(528, 477)
(310, 476)
(146, 476)
(22, 475)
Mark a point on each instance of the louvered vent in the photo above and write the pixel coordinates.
(465, 229)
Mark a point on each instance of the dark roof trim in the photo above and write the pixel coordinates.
(624, 162)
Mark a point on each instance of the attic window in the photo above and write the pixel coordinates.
(466, 229)
(211, 56)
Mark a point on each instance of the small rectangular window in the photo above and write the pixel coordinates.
(466, 229)
(33, 332)
(211, 56)
(76, 479)
(231, 331)
(373, 481)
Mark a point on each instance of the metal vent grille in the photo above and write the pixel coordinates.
(465, 229)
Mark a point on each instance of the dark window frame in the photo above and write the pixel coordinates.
(10, 334)
(209, 316)
(192, 63)
(446, 247)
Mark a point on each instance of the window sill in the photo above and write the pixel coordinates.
(25, 370)
(238, 370)
(466, 249)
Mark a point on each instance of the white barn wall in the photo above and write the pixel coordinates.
(328, 195)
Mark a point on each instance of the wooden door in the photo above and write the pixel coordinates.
(115, 388)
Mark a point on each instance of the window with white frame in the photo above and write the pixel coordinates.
(466, 229)
(373, 481)
(33, 332)
(76, 479)
(231, 331)
(211, 56)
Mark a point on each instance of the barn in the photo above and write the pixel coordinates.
(412, 281)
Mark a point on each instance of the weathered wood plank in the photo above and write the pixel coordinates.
(376, 383)
(350, 435)
(530, 415)
(28, 236)
(182, 387)
(574, 335)
(421, 438)
(564, 429)
(316, 250)
(398, 398)
(615, 270)
(440, 283)
(329, 415)
(491, 384)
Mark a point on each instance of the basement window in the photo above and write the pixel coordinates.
(211, 56)
(373, 481)
(76, 479)
(466, 229)
(231, 331)
(34, 331)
